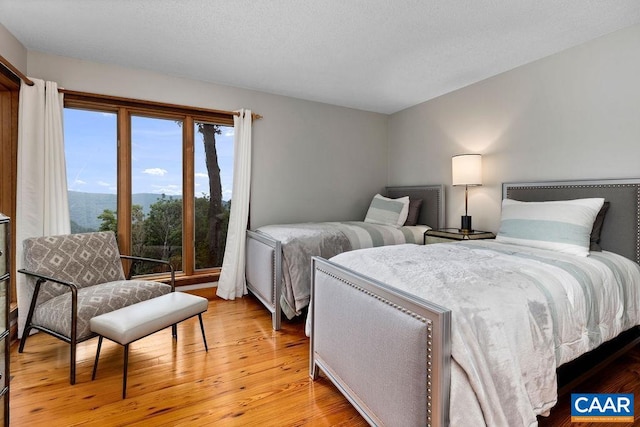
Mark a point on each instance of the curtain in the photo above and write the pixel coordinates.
(42, 206)
(232, 282)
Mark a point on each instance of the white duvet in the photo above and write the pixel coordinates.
(517, 314)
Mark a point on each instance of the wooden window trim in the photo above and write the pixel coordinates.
(95, 101)
(188, 202)
(9, 98)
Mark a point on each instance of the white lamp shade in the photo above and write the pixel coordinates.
(466, 169)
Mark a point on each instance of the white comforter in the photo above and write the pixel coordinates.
(517, 314)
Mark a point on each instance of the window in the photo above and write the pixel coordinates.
(156, 189)
(91, 155)
(158, 175)
(213, 179)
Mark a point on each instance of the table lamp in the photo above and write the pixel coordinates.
(466, 169)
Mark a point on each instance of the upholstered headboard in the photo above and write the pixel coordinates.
(621, 227)
(432, 211)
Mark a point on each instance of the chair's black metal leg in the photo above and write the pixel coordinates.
(204, 338)
(95, 363)
(74, 332)
(32, 307)
(174, 330)
(23, 340)
(73, 363)
(124, 376)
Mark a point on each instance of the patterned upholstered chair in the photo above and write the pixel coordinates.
(75, 277)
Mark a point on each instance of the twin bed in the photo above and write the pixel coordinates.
(472, 333)
(278, 257)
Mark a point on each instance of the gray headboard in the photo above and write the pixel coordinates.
(432, 211)
(621, 228)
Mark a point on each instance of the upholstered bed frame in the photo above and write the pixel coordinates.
(263, 270)
(348, 308)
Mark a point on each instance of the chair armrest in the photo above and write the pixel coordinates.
(45, 278)
(42, 278)
(152, 260)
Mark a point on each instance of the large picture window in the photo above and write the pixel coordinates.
(158, 175)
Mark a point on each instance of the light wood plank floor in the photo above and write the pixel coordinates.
(251, 376)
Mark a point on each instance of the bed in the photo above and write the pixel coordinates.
(278, 272)
(407, 354)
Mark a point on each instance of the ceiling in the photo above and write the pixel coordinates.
(374, 55)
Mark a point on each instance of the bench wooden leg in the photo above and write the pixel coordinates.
(124, 376)
(95, 363)
(202, 329)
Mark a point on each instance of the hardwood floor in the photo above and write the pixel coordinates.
(251, 376)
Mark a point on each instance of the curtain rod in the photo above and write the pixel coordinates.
(15, 71)
(29, 82)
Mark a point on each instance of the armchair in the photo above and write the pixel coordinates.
(75, 277)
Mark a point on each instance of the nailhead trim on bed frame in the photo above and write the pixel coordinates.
(638, 224)
(410, 313)
(637, 186)
(275, 274)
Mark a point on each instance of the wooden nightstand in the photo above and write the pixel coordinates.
(444, 235)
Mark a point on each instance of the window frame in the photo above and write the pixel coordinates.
(125, 108)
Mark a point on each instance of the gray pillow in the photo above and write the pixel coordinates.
(594, 243)
(414, 211)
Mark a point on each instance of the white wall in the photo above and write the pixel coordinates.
(311, 161)
(573, 115)
(12, 50)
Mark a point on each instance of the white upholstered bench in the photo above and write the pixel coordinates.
(136, 321)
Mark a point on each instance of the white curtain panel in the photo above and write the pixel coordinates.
(232, 282)
(42, 207)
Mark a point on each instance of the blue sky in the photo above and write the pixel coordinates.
(90, 146)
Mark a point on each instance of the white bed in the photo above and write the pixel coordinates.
(473, 332)
(278, 267)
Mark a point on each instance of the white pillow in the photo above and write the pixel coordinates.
(563, 226)
(383, 210)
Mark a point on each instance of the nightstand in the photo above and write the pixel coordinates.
(444, 235)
